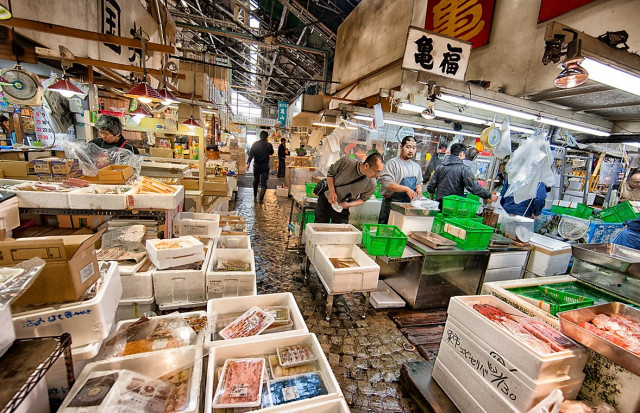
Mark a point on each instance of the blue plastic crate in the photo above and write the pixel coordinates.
(603, 232)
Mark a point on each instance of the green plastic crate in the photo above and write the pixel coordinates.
(619, 213)
(309, 187)
(438, 225)
(468, 234)
(583, 211)
(473, 197)
(376, 193)
(557, 300)
(381, 239)
(309, 217)
(560, 210)
(457, 206)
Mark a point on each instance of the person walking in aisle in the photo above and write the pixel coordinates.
(452, 177)
(260, 152)
(282, 155)
(401, 178)
(350, 183)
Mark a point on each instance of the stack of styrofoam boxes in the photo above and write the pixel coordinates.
(137, 292)
(327, 241)
(222, 283)
(482, 367)
(88, 322)
(549, 256)
(196, 224)
(179, 288)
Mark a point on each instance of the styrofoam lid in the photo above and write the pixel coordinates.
(548, 243)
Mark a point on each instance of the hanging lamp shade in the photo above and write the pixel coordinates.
(66, 88)
(191, 122)
(168, 98)
(139, 112)
(144, 93)
(572, 75)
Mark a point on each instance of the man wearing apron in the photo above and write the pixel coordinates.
(401, 178)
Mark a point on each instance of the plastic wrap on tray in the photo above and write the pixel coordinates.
(232, 265)
(151, 334)
(252, 322)
(280, 314)
(240, 384)
(301, 387)
(277, 371)
(16, 280)
(291, 356)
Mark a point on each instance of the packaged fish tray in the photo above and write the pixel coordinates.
(297, 355)
(252, 322)
(280, 314)
(240, 384)
(291, 389)
(277, 371)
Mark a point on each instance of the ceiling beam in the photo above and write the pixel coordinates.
(557, 93)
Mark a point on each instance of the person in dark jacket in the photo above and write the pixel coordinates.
(260, 153)
(110, 130)
(630, 235)
(452, 177)
(530, 208)
(282, 155)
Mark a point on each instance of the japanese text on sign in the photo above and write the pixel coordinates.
(282, 113)
(431, 52)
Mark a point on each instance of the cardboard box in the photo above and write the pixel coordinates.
(161, 152)
(80, 221)
(215, 188)
(43, 165)
(62, 166)
(190, 184)
(45, 177)
(71, 267)
(11, 156)
(15, 169)
(115, 174)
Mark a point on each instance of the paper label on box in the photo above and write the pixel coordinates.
(239, 390)
(87, 272)
(290, 393)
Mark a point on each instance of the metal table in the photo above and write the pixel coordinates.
(304, 203)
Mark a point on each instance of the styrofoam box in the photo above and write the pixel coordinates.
(83, 198)
(122, 324)
(282, 191)
(168, 263)
(314, 236)
(342, 280)
(135, 308)
(231, 305)
(9, 214)
(196, 224)
(155, 364)
(410, 223)
(242, 242)
(549, 257)
(87, 321)
(41, 199)
(338, 405)
(7, 332)
(523, 391)
(220, 284)
(385, 297)
(218, 355)
(138, 285)
(56, 376)
(157, 201)
(181, 286)
(36, 401)
(458, 393)
(537, 366)
(194, 247)
(130, 269)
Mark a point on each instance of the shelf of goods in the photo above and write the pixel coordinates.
(613, 389)
(231, 273)
(222, 311)
(283, 391)
(503, 370)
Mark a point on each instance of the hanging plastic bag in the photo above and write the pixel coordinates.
(550, 404)
(529, 165)
(503, 148)
(92, 158)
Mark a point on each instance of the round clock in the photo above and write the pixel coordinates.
(490, 137)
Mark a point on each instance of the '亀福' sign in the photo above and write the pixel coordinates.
(434, 53)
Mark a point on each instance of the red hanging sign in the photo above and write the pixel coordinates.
(554, 8)
(468, 20)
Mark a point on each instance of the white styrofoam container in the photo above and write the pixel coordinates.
(220, 284)
(523, 392)
(549, 257)
(130, 269)
(169, 263)
(56, 376)
(82, 198)
(196, 224)
(36, 401)
(157, 201)
(123, 324)
(231, 305)
(181, 286)
(282, 191)
(511, 222)
(9, 214)
(155, 364)
(138, 285)
(7, 332)
(535, 365)
(41, 199)
(385, 297)
(135, 308)
(500, 274)
(191, 246)
(342, 280)
(242, 242)
(338, 405)
(87, 321)
(458, 393)
(508, 259)
(315, 235)
(410, 223)
(218, 355)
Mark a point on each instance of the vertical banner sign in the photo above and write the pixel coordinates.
(282, 113)
(468, 20)
(434, 53)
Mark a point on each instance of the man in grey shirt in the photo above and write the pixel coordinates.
(401, 178)
(351, 183)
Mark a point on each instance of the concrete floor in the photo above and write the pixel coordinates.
(365, 354)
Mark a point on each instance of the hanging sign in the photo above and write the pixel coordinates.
(463, 19)
(282, 113)
(248, 120)
(434, 53)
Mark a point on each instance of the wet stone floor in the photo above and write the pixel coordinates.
(366, 355)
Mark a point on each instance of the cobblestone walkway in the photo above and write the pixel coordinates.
(365, 355)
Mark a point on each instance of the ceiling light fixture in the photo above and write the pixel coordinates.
(611, 76)
(453, 132)
(139, 113)
(363, 117)
(168, 98)
(5, 14)
(572, 74)
(325, 124)
(144, 93)
(399, 123)
(65, 87)
(191, 122)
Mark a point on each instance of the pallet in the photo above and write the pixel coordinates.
(404, 319)
(416, 381)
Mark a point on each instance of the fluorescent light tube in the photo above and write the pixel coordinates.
(326, 125)
(362, 117)
(410, 125)
(411, 107)
(612, 76)
(453, 132)
(571, 126)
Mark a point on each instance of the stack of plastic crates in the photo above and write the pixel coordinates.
(552, 300)
(460, 207)
(468, 234)
(619, 213)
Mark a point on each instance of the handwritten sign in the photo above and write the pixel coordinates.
(44, 131)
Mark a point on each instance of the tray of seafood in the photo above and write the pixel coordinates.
(292, 356)
(538, 350)
(240, 384)
(252, 322)
(612, 330)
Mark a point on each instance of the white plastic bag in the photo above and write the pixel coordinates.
(529, 165)
(503, 148)
(550, 404)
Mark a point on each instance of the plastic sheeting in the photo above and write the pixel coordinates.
(93, 158)
(529, 165)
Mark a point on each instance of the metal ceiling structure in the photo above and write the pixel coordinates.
(277, 48)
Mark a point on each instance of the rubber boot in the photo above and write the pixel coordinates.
(263, 190)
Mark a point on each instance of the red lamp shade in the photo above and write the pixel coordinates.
(572, 75)
(139, 112)
(191, 122)
(66, 88)
(144, 93)
(167, 97)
